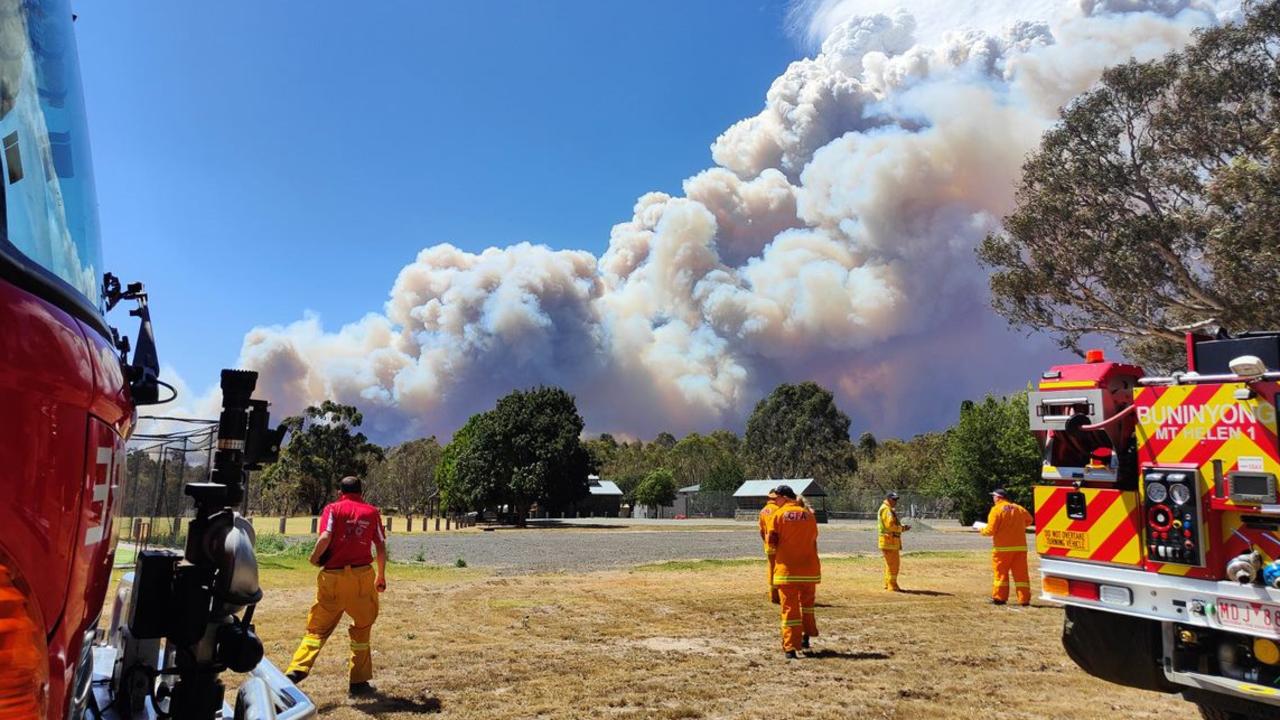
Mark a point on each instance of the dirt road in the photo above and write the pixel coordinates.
(605, 545)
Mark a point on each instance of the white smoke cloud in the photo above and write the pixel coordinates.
(833, 240)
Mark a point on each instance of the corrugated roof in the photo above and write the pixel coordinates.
(761, 488)
(604, 487)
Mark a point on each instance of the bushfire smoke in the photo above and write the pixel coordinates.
(832, 240)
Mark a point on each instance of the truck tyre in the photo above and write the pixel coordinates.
(1221, 707)
(1116, 648)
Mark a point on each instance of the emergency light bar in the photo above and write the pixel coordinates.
(1195, 379)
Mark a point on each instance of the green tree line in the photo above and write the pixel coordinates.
(529, 451)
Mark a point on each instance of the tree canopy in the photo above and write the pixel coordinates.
(324, 446)
(991, 446)
(1151, 205)
(701, 460)
(656, 490)
(797, 431)
(526, 450)
(406, 479)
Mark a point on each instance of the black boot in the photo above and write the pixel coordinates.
(804, 643)
(360, 688)
(296, 676)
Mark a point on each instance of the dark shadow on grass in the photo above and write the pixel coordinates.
(845, 655)
(378, 703)
(926, 593)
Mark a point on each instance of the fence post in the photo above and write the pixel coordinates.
(315, 523)
(388, 528)
(408, 524)
(283, 519)
(447, 520)
(437, 523)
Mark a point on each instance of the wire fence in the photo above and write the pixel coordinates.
(153, 507)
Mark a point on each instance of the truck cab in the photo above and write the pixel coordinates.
(67, 408)
(1163, 545)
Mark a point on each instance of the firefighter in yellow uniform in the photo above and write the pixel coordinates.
(766, 523)
(1007, 527)
(889, 532)
(797, 571)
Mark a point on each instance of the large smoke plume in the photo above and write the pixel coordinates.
(832, 240)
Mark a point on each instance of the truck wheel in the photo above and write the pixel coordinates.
(1220, 707)
(1116, 648)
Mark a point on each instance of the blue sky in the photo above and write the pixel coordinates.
(257, 160)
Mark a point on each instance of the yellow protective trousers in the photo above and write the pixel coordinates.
(798, 616)
(892, 561)
(773, 590)
(1005, 563)
(350, 591)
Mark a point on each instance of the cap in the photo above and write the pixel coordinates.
(1000, 493)
(785, 491)
(891, 496)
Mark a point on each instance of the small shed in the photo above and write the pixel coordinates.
(751, 496)
(683, 497)
(604, 500)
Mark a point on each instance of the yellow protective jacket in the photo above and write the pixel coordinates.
(766, 523)
(794, 541)
(888, 528)
(1007, 527)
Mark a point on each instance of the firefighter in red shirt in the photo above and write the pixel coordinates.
(346, 584)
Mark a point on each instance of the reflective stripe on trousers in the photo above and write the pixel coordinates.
(799, 617)
(892, 562)
(337, 592)
(1006, 563)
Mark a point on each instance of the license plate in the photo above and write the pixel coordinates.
(1259, 617)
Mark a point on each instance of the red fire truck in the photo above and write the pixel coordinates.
(68, 397)
(1158, 521)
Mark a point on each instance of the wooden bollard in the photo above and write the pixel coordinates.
(282, 522)
(408, 524)
(388, 523)
(437, 523)
(315, 524)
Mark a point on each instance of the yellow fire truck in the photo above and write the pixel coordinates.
(1158, 521)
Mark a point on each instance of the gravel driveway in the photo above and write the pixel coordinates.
(601, 545)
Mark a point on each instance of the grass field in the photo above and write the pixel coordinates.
(698, 639)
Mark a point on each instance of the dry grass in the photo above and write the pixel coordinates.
(699, 640)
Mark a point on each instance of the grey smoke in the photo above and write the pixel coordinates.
(832, 240)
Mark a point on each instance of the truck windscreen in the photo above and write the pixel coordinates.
(48, 210)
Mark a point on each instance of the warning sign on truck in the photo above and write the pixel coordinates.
(1066, 539)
